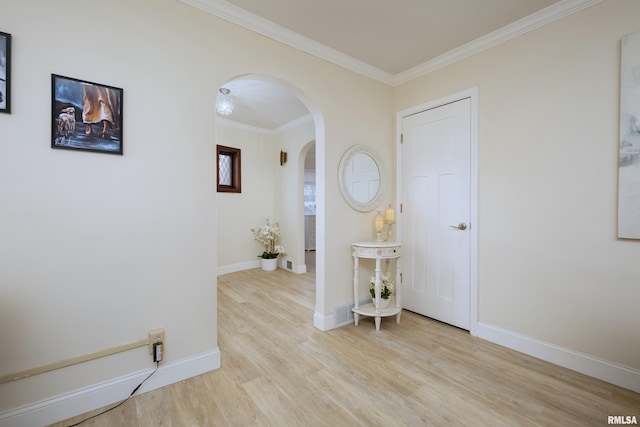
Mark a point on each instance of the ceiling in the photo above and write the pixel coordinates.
(392, 35)
(264, 104)
(392, 41)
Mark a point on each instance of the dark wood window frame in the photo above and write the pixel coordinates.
(234, 154)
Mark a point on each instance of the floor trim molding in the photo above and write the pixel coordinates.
(604, 370)
(96, 396)
(324, 322)
(232, 268)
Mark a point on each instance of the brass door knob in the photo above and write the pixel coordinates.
(462, 226)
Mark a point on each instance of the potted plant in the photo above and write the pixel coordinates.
(386, 290)
(268, 235)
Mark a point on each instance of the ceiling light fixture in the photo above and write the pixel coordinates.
(224, 103)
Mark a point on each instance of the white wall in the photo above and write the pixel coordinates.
(238, 213)
(551, 267)
(268, 191)
(289, 193)
(97, 249)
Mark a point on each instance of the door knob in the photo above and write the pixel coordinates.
(462, 226)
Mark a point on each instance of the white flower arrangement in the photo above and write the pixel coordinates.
(268, 235)
(386, 287)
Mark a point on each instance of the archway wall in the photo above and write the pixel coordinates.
(269, 191)
(289, 196)
(239, 212)
(353, 112)
(347, 109)
(354, 122)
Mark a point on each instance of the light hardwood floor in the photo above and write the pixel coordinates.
(278, 370)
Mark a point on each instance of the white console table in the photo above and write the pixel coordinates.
(378, 251)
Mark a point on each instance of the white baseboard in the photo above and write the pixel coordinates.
(295, 268)
(300, 268)
(232, 268)
(324, 322)
(99, 395)
(248, 265)
(619, 375)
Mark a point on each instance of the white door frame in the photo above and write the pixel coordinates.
(472, 94)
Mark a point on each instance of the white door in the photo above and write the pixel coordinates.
(436, 192)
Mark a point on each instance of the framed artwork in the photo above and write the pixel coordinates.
(629, 156)
(5, 72)
(85, 116)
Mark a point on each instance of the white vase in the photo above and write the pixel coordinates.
(268, 264)
(384, 303)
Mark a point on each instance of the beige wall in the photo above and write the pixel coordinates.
(239, 212)
(550, 265)
(96, 250)
(268, 191)
(289, 190)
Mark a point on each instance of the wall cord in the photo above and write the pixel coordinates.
(121, 403)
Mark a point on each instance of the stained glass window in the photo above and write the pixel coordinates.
(228, 169)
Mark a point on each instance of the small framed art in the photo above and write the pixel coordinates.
(85, 116)
(5, 72)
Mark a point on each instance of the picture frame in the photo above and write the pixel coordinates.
(5, 73)
(86, 116)
(629, 148)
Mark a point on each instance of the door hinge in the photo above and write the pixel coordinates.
(402, 138)
(400, 277)
(400, 207)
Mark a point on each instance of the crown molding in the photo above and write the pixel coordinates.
(529, 23)
(232, 13)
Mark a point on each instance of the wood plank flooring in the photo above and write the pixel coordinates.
(278, 370)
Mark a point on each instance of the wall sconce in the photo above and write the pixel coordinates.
(378, 224)
(389, 219)
(283, 157)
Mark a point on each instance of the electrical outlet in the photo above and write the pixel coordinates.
(155, 335)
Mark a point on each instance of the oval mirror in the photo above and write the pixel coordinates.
(360, 177)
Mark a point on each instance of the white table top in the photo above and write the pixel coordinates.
(376, 244)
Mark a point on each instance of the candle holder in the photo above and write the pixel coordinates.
(378, 224)
(390, 220)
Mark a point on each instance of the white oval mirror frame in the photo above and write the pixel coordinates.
(361, 178)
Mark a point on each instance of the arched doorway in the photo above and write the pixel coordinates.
(309, 204)
(256, 93)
